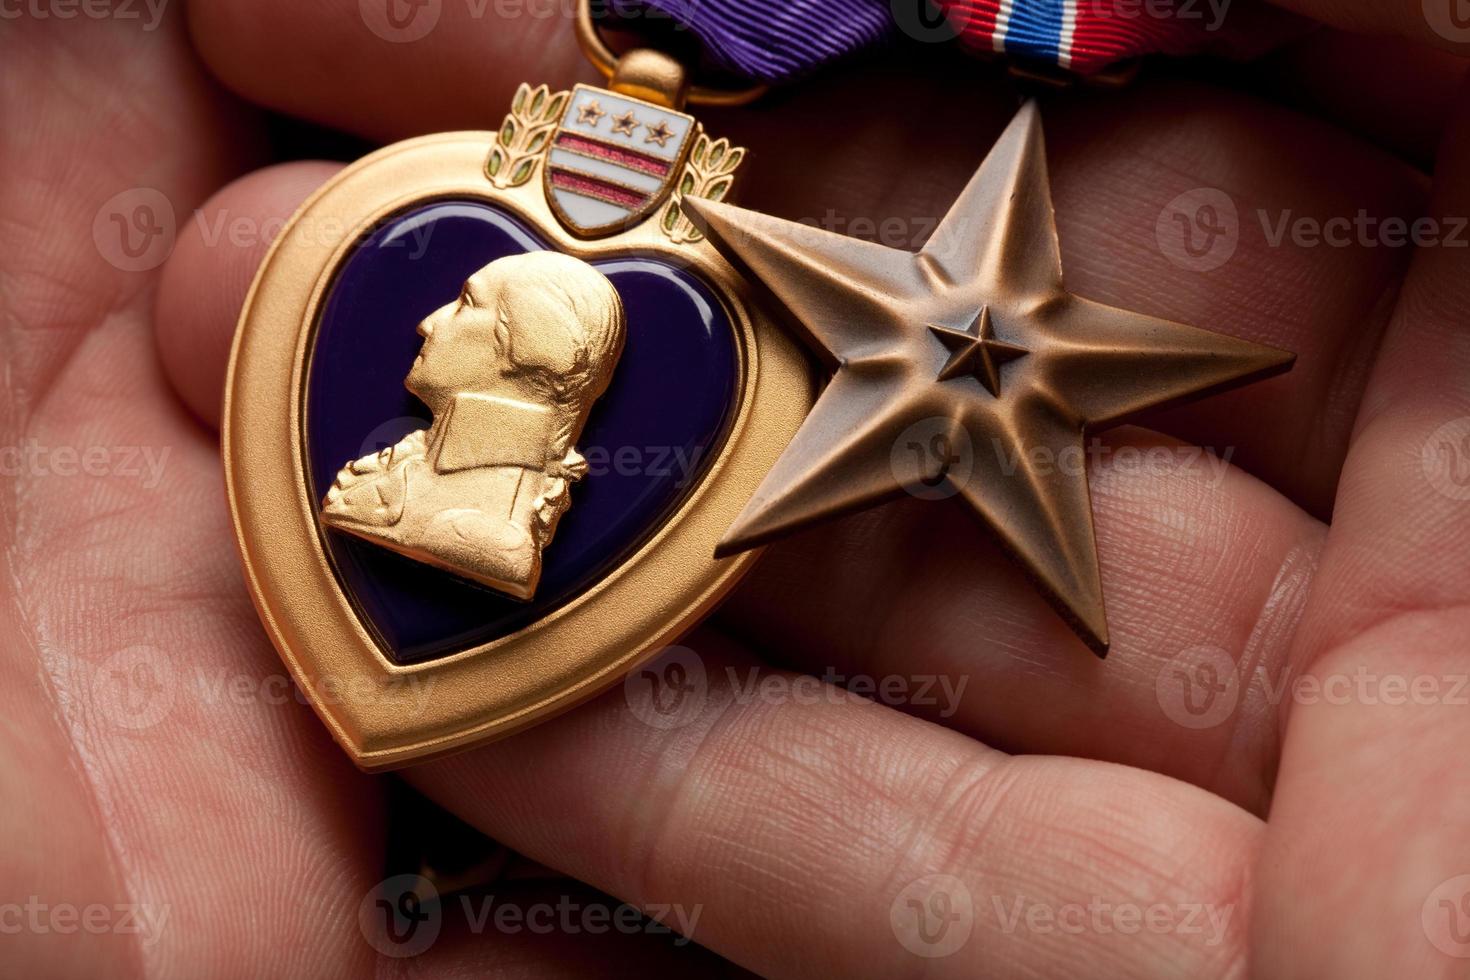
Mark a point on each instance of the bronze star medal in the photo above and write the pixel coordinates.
(975, 341)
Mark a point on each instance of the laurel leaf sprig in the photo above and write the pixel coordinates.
(525, 134)
(708, 173)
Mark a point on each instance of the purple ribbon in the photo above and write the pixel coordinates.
(772, 41)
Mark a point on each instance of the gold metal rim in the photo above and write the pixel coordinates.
(606, 61)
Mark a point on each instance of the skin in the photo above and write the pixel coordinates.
(1324, 826)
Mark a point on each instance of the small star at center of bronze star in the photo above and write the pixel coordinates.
(976, 351)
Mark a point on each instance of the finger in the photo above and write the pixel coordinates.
(194, 747)
(1204, 568)
(1437, 22)
(214, 261)
(448, 66)
(1202, 206)
(158, 747)
(803, 821)
(1393, 92)
(1371, 811)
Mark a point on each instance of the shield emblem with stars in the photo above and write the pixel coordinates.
(613, 160)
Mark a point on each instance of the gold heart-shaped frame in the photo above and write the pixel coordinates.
(385, 714)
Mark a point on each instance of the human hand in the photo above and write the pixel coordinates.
(804, 827)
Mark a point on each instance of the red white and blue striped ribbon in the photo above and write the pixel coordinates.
(1086, 36)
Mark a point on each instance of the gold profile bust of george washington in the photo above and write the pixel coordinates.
(510, 370)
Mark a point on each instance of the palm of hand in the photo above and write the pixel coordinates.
(170, 768)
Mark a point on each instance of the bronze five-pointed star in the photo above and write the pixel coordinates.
(966, 368)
